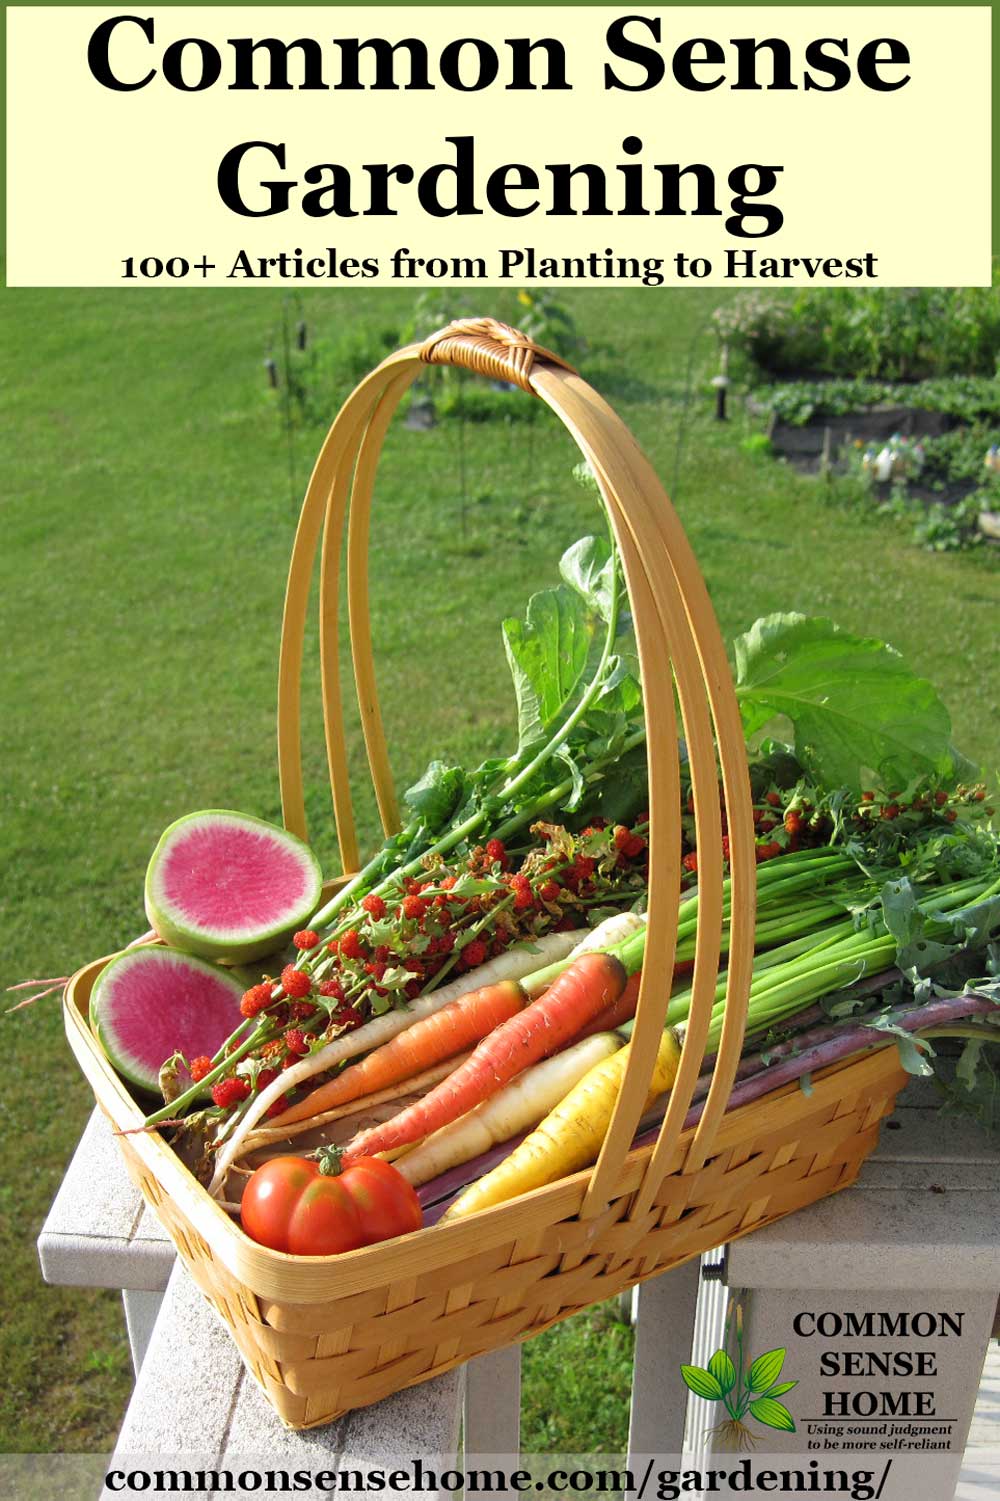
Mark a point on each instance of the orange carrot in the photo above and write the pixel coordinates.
(590, 985)
(621, 1011)
(441, 1035)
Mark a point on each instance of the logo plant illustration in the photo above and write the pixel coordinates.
(740, 1390)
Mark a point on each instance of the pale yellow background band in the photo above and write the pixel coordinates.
(96, 176)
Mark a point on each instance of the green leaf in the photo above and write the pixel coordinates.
(547, 655)
(588, 568)
(765, 1370)
(437, 794)
(585, 477)
(913, 1052)
(967, 1066)
(772, 1414)
(779, 1391)
(854, 704)
(702, 1383)
(722, 1368)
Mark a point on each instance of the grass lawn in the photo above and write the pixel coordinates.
(148, 517)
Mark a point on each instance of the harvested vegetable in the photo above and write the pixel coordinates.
(591, 984)
(570, 1136)
(436, 1037)
(150, 1003)
(308, 1207)
(511, 965)
(522, 1104)
(227, 886)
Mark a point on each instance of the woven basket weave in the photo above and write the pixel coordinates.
(323, 1335)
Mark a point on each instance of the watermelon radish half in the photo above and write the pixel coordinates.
(152, 1002)
(230, 887)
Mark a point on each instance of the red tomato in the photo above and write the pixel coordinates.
(291, 1204)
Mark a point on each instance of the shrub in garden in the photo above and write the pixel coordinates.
(904, 333)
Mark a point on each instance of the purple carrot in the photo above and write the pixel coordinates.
(853, 1039)
(753, 1062)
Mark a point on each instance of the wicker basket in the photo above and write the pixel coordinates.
(323, 1335)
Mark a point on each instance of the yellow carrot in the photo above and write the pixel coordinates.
(570, 1136)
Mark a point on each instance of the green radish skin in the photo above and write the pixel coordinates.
(239, 876)
(168, 1000)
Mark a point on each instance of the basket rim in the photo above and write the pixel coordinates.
(307, 1279)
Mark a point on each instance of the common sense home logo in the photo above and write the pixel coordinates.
(742, 1389)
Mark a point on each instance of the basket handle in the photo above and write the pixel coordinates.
(488, 347)
(680, 650)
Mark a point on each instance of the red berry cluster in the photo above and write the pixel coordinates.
(402, 938)
(802, 817)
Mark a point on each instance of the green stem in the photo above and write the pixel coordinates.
(196, 1090)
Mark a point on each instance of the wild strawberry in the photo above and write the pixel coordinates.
(350, 945)
(305, 939)
(584, 867)
(230, 1092)
(381, 954)
(940, 798)
(199, 1067)
(346, 1016)
(690, 861)
(255, 1000)
(333, 947)
(550, 891)
(951, 815)
(301, 1009)
(890, 810)
(564, 925)
(474, 953)
(280, 1105)
(445, 943)
(621, 836)
(295, 982)
(265, 1077)
(768, 851)
(296, 1042)
(412, 989)
(725, 848)
(374, 906)
(376, 968)
(273, 1048)
(690, 802)
(793, 822)
(497, 851)
(641, 819)
(634, 846)
(414, 907)
(332, 988)
(774, 798)
(978, 795)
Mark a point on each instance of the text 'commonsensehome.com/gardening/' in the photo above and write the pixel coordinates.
(745, 1477)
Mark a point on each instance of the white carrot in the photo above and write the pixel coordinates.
(520, 960)
(521, 1105)
(268, 1135)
